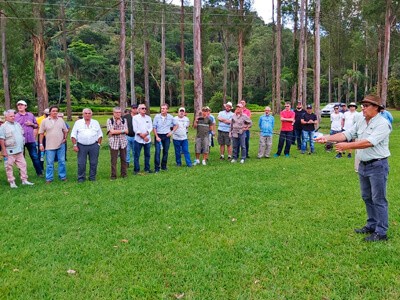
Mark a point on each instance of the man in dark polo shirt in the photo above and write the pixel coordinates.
(130, 137)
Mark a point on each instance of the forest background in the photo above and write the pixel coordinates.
(77, 53)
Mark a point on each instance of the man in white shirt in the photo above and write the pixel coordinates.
(349, 119)
(336, 124)
(86, 137)
(142, 126)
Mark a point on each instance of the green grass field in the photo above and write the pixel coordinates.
(269, 229)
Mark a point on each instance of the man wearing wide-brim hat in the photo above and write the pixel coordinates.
(349, 118)
(372, 143)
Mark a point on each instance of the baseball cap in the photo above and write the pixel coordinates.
(22, 102)
(182, 109)
(46, 111)
(309, 106)
(134, 106)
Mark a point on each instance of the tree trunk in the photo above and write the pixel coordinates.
(6, 84)
(122, 57)
(66, 61)
(146, 47)
(295, 48)
(301, 52)
(305, 64)
(182, 71)
(198, 73)
(162, 90)
(278, 54)
(39, 57)
(379, 68)
(132, 56)
(273, 66)
(317, 59)
(226, 61)
(389, 19)
(240, 53)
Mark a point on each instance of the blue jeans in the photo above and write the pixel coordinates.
(184, 146)
(33, 153)
(165, 142)
(298, 136)
(308, 137)
(285, 136)
(50, 156)
(130, 148)
(237, 144)
(138, 149)
(373, 179)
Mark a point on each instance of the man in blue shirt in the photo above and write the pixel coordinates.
(224, 126)
(162, 128)
(266, 125)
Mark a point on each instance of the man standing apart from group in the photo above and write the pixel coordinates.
(142, 126)
(247, 113)
(28, 122)
(86, 137)
(179, 138)
(286, 134)
(239, 125)
(162, 128)
(266, 124)
(117, 130)
(12, 147)
(224, 126)
(130, 137)
(309, 121)
(56, 134)
(372, 144)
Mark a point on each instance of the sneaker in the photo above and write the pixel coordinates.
(339, 155)
(349, 155)
(229, 157)
(13, 185)
(233, 161)
(196, 162)
(376, 237)
(364, 230)
(276, 155)
(26, 182)
(302, 152)
(242, 161)
(286, 155)
(221, 157)
(204, 163)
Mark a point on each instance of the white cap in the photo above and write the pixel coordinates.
(22, 102)
(229, 104)
(182, 108)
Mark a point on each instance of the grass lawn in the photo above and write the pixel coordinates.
(269, 229)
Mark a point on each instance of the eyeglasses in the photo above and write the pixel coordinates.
(143, 108)
(366, 105)
(287, 106)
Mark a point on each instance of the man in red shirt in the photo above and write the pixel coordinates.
(286, 134)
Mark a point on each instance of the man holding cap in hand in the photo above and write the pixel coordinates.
(372, 143)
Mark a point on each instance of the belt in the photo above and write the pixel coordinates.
(368, 162)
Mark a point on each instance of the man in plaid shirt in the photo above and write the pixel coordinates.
(117, 129)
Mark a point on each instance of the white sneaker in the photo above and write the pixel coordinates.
(13, 185)
(233, 161)
(26, 182)
(204, 163)
(196, 162)
(242, 161)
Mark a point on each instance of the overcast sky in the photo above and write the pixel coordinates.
(263, 8)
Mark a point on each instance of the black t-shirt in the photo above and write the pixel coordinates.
(297, 118)
(307, 117)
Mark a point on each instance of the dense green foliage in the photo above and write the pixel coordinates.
(268, 229)
(349, 43)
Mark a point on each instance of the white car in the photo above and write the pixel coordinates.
(328, 109)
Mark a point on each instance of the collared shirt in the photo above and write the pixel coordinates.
(13, 136)
(55, 130)
(387, 115)
(246, 112)
(180, 133)
(376, 132)
(225, 115)
(86, 134)
(162, 124)
(142, 125)
(117, 141)
(287, 125)
(28, 130)
(238, 123)
(266, 125)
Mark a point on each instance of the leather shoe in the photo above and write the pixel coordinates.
(363, 230)
(376, 237)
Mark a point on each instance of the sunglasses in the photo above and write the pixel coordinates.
(143, 108)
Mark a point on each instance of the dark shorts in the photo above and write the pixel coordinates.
(223, 138)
